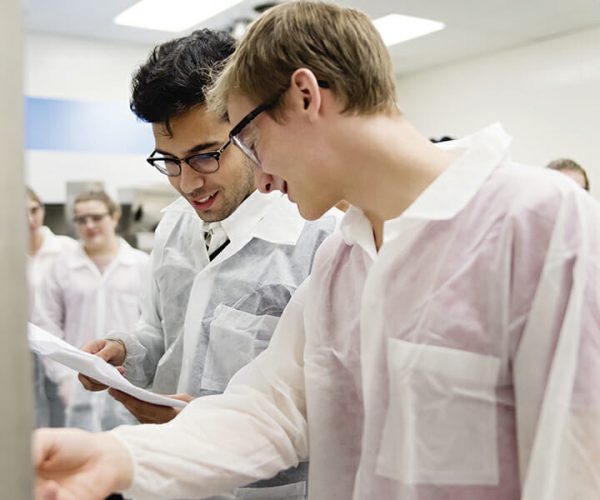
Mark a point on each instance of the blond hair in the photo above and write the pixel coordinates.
(112, 206)
(32, 195)
(339, 45)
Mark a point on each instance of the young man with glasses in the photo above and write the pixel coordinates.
(226, 258)
(445, 344)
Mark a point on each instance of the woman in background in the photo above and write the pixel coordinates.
(43, 249)
(87, 293)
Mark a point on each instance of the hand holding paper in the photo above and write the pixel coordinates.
(45, 344)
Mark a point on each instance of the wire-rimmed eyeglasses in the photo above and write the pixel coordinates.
(241, 135)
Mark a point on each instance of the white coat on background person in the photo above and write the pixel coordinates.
(44, 248)
(409, 387)
(88, 291)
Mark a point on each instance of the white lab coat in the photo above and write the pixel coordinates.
(460, 361)
(48, 407)
(78, 303)
(203, 320)
(53, 246)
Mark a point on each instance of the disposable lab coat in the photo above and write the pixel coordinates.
(53, 246)
(49, 410)
(203, 320)
(79, 304)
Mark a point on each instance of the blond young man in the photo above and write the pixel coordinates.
(443, 346)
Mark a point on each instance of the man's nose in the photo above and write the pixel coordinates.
(189, 179)
(266, 183)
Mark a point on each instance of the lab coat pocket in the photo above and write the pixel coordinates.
(441, 422)
(236, 338)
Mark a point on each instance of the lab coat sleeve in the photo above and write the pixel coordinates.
(557, 365)
(252, 431)
(49, 313)
(145, 344)
(49, 310)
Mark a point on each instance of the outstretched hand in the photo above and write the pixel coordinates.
(72, 464)
(148, 413)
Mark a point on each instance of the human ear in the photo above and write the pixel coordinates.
(305, 87)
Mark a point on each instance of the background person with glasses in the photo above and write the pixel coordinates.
(226, 258)
(88, 291)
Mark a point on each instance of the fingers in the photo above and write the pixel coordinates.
(93, 346)
(146, 413)
(110, 351)
(90, 384)
(182, 397)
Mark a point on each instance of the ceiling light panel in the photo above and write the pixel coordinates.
(171, 15)
(396, 28)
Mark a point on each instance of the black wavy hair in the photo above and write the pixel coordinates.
(173, 78)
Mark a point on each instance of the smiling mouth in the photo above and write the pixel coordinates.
(205, 202)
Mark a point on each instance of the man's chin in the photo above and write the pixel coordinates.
(309, 212)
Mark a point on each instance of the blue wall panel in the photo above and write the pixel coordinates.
(81, 126)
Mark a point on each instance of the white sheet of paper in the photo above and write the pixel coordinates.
(44, 343)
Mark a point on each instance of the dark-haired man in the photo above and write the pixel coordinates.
(226, 259)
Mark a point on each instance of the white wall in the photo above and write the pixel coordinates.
(547, 95)
(78, 69)
(75, 68)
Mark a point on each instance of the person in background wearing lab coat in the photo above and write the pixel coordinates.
(571, 169)
(87, 291)
(44, 248)
(446, 342)
(226, 258)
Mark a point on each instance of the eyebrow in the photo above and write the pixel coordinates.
(211, 146)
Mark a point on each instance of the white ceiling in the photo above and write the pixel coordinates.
(473, 27)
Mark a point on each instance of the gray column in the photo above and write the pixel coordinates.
(15, 371)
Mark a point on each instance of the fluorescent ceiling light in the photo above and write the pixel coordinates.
(395, 28)
(171, 15)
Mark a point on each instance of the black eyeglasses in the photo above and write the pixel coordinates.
(204, 163)
(82, 220)
(241, 135)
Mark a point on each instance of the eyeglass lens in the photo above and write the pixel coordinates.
(81, 220)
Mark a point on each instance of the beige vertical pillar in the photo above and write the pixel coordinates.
(15, 370)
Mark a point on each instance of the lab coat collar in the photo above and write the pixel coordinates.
(270, 217)
(357, 229)
(258, 217)
(125, 256)
(50, 243)
(447, 195)
(456, 186)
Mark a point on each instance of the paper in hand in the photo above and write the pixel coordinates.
(45, 344)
